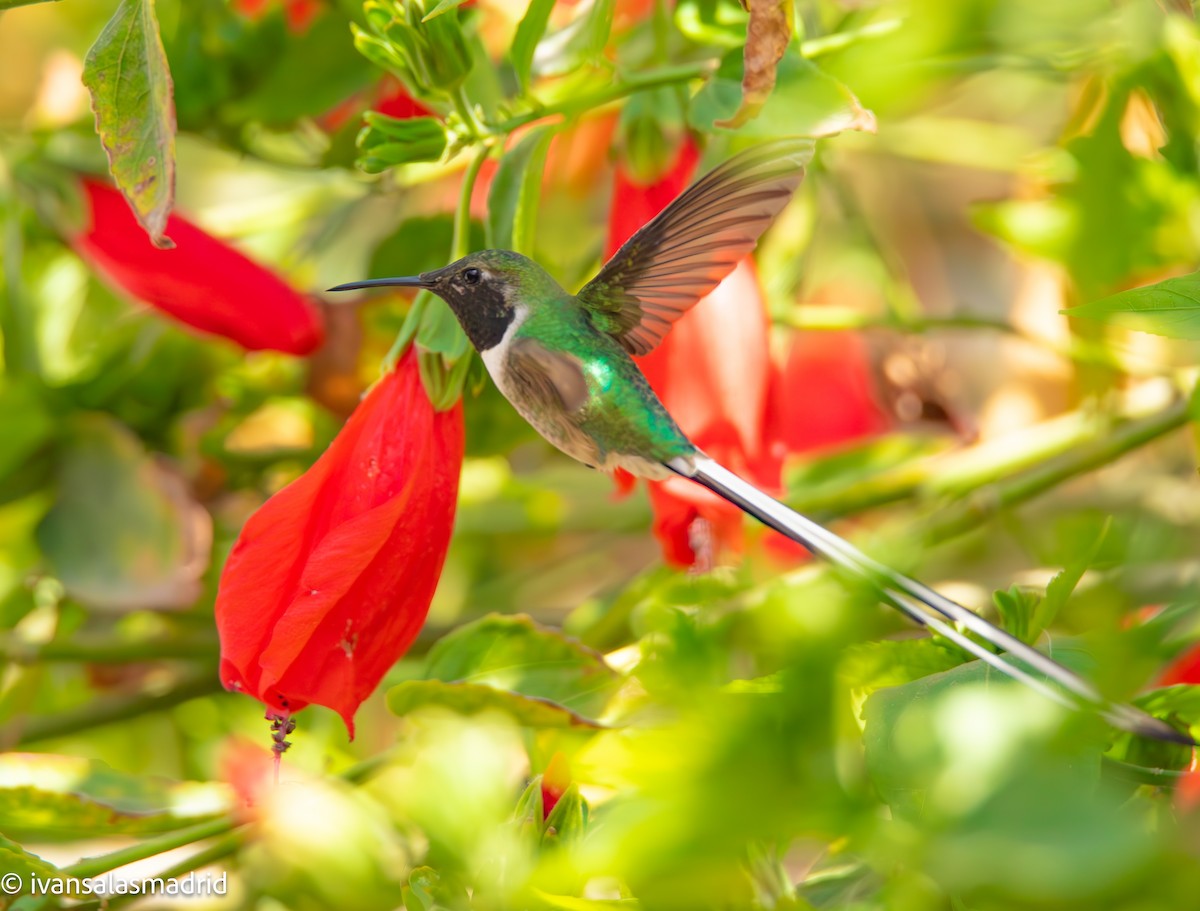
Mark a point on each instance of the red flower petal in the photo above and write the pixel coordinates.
(299, 13)
(1187, 792)
(203, 282)
(330, 581)
(250, 771)
(635, 204)
(394, 101)
(824, 394)
(713, 368)
(555, 781)
(1184, 669)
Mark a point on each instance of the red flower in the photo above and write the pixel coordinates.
(388, 97)
(299, 13)
(555, 781)
(1187, 791)
(715, 374)
(202, 282)
(330, 581)
(1184, 669)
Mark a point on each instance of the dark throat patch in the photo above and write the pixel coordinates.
(482, 311)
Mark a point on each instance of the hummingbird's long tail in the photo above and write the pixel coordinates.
(924, 605)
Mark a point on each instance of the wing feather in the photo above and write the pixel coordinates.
(688, 248)
(548, 374)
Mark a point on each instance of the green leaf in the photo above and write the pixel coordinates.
(473, 698)
(442, 7)
(440, 331)
(1063, 584)
(419, 245)
(1003, 785)
(127, 76)
(49, 797)
(387, 141)
(516, 191)
(805, 102)
(26, 425)
(515, 654)
(649, 131)
(579, 42)
(717, 22)
(1017, 607)
(1170, 308)
(529, 32)
(529, 811)
(124, 532)
(427, 891)
(931, 702)
(317, 70)
(15, 859)
(869, 666)
(568, 819)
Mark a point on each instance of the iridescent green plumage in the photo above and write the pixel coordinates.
(620, 422)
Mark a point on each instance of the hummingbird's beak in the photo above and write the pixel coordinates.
(411, 281)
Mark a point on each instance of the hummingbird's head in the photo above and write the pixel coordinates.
(486, 290)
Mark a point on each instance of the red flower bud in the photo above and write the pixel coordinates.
(202, 282)
(330, 581)
(555, 781)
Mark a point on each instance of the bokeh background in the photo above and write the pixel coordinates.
(759, 733)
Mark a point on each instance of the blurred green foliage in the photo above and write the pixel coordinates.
(754, 737)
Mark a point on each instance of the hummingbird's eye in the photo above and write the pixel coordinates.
(472, 276)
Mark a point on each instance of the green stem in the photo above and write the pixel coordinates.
(652, 79)
(16, 316)
(460, 244)
(218, 850)
(827, 44)
(995, 484)
(1137, 774)
(104, 651)
(988, 499)
(104, 711)
(151, 847)
(462, 104)
(962, 473)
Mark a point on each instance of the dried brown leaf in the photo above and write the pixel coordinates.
(767, 38)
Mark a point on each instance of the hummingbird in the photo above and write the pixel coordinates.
(565, 362)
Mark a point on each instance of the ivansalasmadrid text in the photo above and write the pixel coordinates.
(191, 884)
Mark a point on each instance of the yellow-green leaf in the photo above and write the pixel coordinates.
(473, 698)
(443, 7)
(529, 32)
(1170, 308)
(126, 73)
(516, 192)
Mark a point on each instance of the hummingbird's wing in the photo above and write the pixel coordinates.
(547, 375)
(684, 252)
